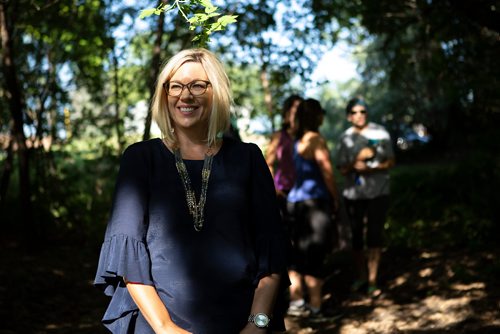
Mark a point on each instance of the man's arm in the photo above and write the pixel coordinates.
(358, 163)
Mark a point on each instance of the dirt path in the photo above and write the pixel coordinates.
(423, 292)
(51, 291)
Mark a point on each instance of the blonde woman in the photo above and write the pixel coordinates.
(194, 243)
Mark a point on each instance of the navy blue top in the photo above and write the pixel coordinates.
(309, 182)
(206, 279)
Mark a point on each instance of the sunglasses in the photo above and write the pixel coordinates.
(357, 112)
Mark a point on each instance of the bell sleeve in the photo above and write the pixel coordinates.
(268, 229)
(124, 252)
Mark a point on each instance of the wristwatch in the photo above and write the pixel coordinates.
(261, 320)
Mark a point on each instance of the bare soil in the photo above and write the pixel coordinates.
(445, 291)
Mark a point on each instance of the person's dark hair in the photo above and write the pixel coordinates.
(355, 102)
(287, 104)
(309, 117)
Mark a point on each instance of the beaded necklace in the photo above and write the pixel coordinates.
(195, 209)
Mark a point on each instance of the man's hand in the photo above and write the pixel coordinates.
(360, 166)
(366, 153)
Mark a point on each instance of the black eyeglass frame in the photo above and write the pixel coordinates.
(352, 112)
(188, 86)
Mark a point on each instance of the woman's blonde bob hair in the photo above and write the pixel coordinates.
(221, 103)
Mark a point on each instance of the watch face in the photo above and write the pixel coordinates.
(261, 320)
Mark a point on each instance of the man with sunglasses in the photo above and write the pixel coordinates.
(364, 157)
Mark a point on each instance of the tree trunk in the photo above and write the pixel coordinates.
(6, 173)
(268, 99)
(155, 69)
(264, 79)
(16, 106)
(119, 126)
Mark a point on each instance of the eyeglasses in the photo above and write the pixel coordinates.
(352, 112)
(196, 87)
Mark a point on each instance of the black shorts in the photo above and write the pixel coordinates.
(311, 232)
(373, 212)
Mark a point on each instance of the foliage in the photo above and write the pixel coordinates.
(195, 17)
(445, 204)
(278, 43)
(74, 199)
(430, 62)
(57, 46)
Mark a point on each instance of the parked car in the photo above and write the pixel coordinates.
(412, 137)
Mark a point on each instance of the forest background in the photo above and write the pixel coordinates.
(77, 77)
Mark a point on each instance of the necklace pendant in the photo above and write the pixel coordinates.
(198, 225)
(195, 208)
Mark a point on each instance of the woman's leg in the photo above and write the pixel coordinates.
(314, 287)
(296, 290)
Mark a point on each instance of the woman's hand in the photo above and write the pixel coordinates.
(152, 308)
(252, 329)
(173, 329)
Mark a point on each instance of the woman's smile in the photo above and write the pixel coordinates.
(188, 110)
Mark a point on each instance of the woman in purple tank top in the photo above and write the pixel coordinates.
(279, 153)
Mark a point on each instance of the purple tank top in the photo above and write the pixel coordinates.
(284, 176)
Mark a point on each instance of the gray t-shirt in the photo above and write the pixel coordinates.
(369, 185)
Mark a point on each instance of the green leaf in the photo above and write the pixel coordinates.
(206, 3)
(147, 12)
(214, 14)
(211, 9)
(195, 19)
(227, 19)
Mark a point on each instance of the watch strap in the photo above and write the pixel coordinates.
(252, 319)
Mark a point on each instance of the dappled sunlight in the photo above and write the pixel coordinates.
(468, 287)
(432, 312)
(433, 294)
(58, 272)
(429, 255)
(400, 280)
(452, 291)
(425, 272)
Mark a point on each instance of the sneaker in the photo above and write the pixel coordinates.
(374, 291)
(296, 310)
(314, 311)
